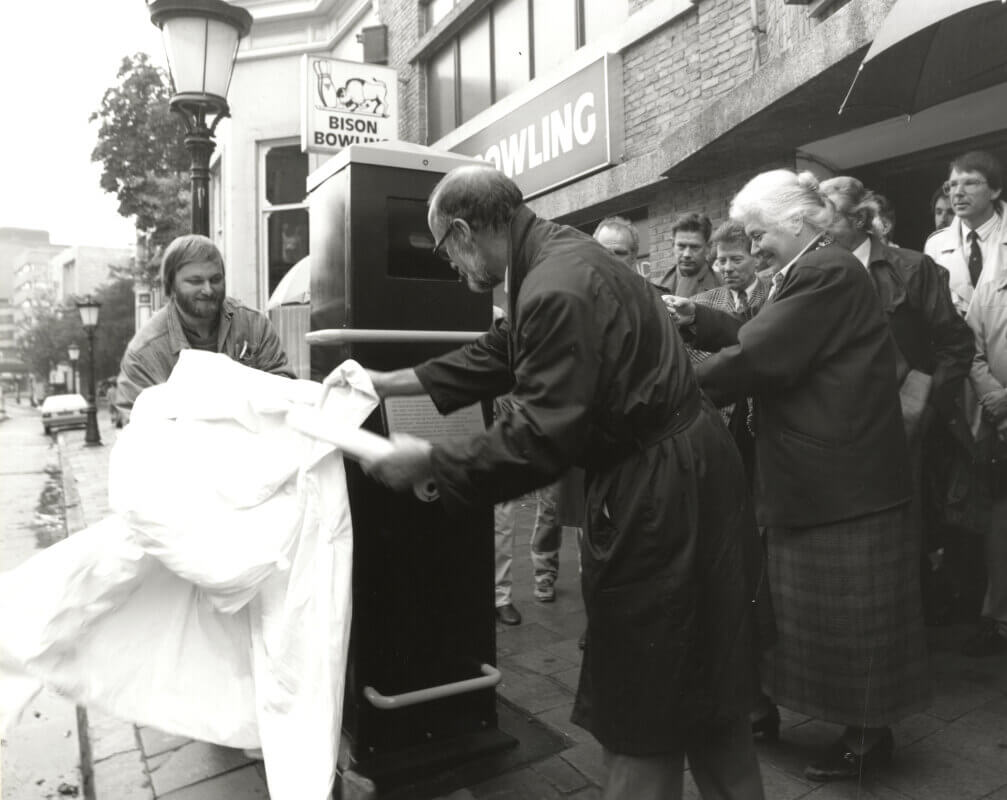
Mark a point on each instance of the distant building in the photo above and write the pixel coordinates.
(81, 269)
(18, 247)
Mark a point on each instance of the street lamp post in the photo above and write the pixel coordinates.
(73, 351)
(89, 307)
(201, 43)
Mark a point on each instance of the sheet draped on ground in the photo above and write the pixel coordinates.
(214, 602)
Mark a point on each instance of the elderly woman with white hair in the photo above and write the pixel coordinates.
(832, 479)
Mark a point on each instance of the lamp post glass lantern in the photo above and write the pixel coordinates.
(73, 351)
(89, 308)
(201, 43)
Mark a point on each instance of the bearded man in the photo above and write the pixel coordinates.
(199, 315)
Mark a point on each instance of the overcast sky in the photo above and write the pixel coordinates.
(57, 58)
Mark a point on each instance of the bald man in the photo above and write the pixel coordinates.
(620, 237)
(600, 379)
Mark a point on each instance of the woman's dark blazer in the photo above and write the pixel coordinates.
(819, 362)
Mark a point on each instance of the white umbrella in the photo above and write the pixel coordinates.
(294, 287)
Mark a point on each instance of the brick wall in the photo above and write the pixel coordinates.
(405, 21)
(712, 198)
(670, 75)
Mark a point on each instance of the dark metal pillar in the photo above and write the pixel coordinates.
(92, 437)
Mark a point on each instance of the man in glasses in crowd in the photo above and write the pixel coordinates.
(974, 250)
(975, 243)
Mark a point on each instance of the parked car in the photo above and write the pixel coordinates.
(64, 411)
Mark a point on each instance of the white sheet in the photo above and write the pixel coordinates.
(215, 602)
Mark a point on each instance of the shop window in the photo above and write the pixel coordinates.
(286, 175)
(441, 97)
(511, 54)
(474, 68)
(554, 23)
(504, 48)
(437, 10)
(287, 236)
(284, 211)
(601, 17)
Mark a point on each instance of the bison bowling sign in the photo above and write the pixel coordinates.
(347, 102)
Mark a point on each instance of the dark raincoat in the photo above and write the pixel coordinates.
(600, 379)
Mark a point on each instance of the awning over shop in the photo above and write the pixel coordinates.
(792, 99)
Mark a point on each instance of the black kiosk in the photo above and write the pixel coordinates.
(420, 683)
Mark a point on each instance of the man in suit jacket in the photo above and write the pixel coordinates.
(741, 296)
(743, 292)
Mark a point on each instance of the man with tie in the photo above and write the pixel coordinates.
(743, 292)
(975, 243)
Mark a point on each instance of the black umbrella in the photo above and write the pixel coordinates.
(930, 51)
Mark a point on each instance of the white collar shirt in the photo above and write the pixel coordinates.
(863, 252)
(984, 233)
(749, 292)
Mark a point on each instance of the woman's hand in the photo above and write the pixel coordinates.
(682, 309)
(406, 465)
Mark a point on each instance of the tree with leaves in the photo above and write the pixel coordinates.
(51, 329)
(145, 164)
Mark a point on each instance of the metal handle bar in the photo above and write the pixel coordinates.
(491, 677)
(352, 335)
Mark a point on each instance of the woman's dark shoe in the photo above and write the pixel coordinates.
(841, 763)
(767, 727)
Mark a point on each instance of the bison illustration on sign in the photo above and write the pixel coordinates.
(356, 94)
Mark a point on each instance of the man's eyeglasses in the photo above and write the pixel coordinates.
(967, 185)
(439, 247)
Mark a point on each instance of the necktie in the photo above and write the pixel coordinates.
(975, 258)
(741, 303)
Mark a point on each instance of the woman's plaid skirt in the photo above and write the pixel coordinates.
(851, 647)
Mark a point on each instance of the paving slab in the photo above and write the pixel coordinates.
(155, 741)
(588, 759)
(534, 693)
(539, 660)
(109, 736)
(956, 696)
(122, 777)
(241, 784)
(192, 763)
(41, 752)
(869, 789)
(926, 771)
(980, 737)
(560, 774)
(559, 719)
(520, 785)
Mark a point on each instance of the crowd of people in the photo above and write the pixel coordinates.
(780, 435)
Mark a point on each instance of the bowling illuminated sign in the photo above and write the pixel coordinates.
(566, 131)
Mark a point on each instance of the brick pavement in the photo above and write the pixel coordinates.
(957, 750)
